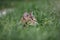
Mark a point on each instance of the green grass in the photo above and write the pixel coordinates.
(47, 15)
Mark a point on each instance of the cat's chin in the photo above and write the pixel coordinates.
(33, 24)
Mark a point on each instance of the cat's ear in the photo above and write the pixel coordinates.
(31, 13)
(25, 14)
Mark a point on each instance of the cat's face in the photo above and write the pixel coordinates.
(29, 18)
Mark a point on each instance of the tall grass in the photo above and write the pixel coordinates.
(46, 14)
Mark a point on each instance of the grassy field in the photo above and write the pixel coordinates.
(47, 13)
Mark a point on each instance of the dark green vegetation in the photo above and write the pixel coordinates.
(47, 13)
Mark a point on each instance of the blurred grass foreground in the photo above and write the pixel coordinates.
(47, 13)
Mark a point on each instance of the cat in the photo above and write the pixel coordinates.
(28, 19)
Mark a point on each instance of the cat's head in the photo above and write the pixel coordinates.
(29, 18)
